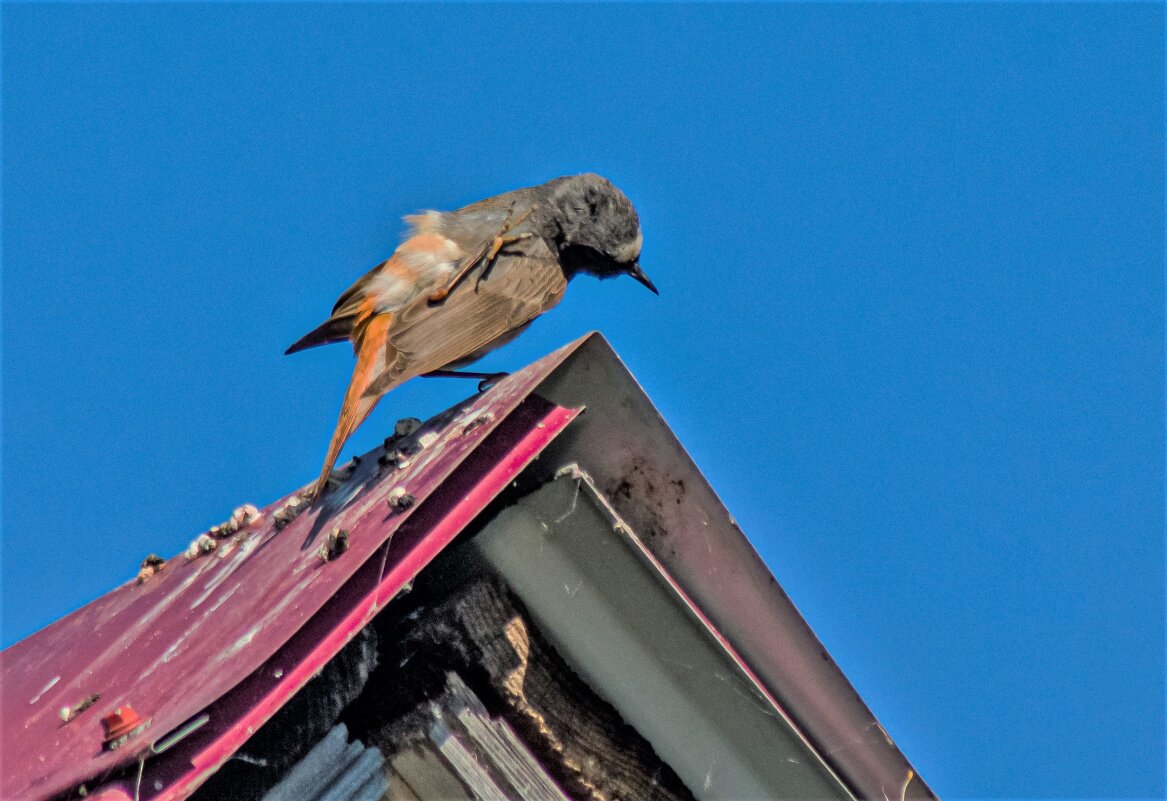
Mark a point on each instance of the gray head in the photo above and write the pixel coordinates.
(596, 229)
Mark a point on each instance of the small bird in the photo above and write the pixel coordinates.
(464, 282)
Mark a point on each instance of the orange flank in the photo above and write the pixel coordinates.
(427, 243)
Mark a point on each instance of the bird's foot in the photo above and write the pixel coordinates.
(486, 256)
(490, 380)
(504, 239)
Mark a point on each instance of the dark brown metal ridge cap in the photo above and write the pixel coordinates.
(651, 481)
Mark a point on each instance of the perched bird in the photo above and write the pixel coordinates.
(465, 282)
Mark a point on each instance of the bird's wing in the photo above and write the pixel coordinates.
(474, 227)
(419, 265)
(422, 263)
(426, 337)
(437, 246)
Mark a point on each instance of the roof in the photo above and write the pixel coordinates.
(620, 622)
(209, 648)
(177, 643)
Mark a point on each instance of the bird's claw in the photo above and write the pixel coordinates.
(499, 248)
(490, 380)
(487, 257)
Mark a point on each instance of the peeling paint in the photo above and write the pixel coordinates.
(52, 683)
(241, 553)
(222, 600)
(472, 422)
(241, 643)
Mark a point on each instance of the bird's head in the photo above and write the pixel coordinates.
(598, 231)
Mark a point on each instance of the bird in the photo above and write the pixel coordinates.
(465, 282)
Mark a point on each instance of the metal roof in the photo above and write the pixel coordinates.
(655, 487)
(231, 635)
(174, 645)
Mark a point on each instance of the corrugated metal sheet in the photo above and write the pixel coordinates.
(453, 742)
(334, 770)
(173, 646)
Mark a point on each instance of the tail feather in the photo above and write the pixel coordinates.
(334, 329)
(371, 356)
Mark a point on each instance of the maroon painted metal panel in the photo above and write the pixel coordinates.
(197, 633)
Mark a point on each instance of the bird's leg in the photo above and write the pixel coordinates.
(469, 264)
(488, 254)
(485, 380)
(503, 239)
(490, 381)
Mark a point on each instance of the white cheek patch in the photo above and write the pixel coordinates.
(631, 251)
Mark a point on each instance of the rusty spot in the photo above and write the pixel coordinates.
(336, 544)
(150, 565)
(120, 725)
(200, 546)
(623, 489)
(476, 422)
(400, 499)
(654, 493)
(69, 713)
(289, 511)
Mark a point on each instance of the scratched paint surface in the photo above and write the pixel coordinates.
(172, 645)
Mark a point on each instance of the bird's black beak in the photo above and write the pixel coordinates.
(639, 275)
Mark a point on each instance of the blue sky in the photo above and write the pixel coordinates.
(910, 324)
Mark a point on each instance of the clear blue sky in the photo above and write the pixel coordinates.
(910, 324)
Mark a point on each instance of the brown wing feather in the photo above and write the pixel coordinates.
(351, 298)
(471, 319)
(351, 307)
(475, 226)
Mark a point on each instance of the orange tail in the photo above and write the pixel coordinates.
(357, 406)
